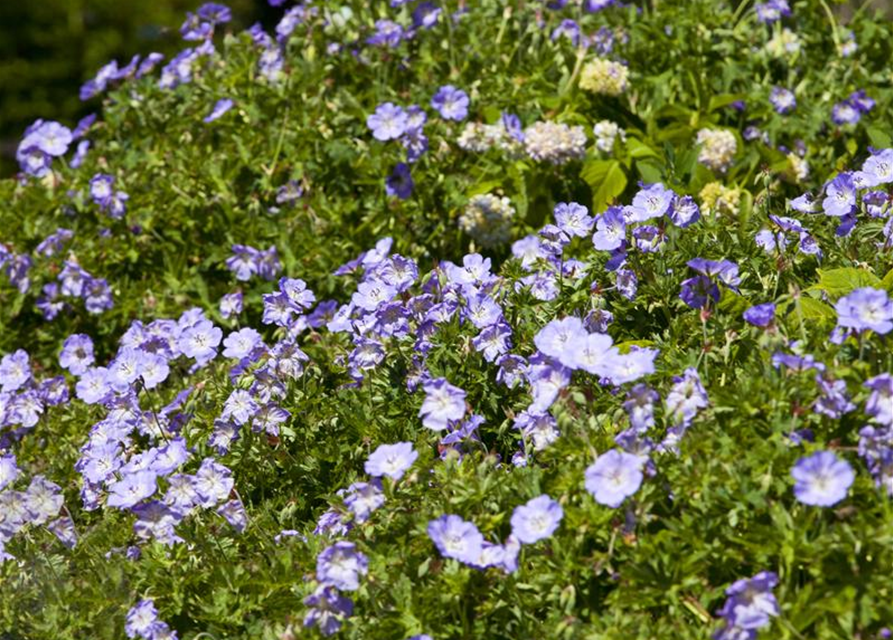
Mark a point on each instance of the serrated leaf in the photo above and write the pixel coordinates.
(816, 310)
(839, 282)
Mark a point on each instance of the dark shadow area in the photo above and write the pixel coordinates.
(49, 48)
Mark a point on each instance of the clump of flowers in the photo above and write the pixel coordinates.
(749, 607)
(488, 219)
(109, 200)
(851, 110)
(75, 282)
(41, 502)
(613, 477)
(606, 133)
(480, 138)
(456, 538)
(604, 77)
(783, 44)
(246, 262)
(143, 622)
(863, 310)
(783, 100)
(720, 200)
(822, 479)
(799, 167)
(42, 142)
(555, 143)
(327, 609)
(772, 11)
(718, 148)
(451, 103)
(536, 520)
(698, 290)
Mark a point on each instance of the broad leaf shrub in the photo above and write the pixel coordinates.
(476, 320)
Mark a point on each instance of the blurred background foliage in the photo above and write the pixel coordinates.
(48, 48)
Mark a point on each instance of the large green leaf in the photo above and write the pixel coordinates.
(612, 186)
(484, 187)
(594, 171)
(879, 137)
(887, 282)
(649, 171)
(638, 149)
(839, 282)
(607, 180)
(724, 100)
(816, 310)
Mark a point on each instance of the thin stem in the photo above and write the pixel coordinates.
(833, 22)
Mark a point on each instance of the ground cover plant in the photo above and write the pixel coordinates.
(458, 320)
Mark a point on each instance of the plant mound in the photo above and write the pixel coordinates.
(428, 320)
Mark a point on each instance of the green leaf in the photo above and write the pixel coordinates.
(732, 303)
(839, 282)
(879, 137)
(887, 282)
(594, 171)
(638, 149)
(649, 171)
(484, 187)
(611, 187)
(625, 347)
(816, 310)
(724, 100)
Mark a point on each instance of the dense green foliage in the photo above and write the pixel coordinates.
(719, 509)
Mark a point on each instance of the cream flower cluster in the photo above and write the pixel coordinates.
(606, 132)
(480, 138)
(488, 220)
(718, 148)
(556, 143)
(784, 43)
(604, 77)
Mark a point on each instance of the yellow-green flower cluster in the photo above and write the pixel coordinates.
(719, 200)
(488, 220)
(604, 77)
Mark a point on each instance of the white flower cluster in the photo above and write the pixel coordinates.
(799, 167)
(479, 138)
(488, 220)
(556, 143)
(604, 77)
(784, 43)
(718, 148)
(606, 132)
